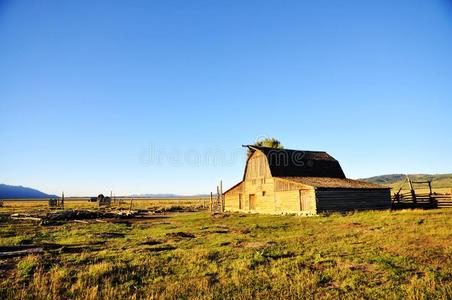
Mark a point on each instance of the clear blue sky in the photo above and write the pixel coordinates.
(135, 96)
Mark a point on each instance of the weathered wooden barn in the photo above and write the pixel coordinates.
(278, 181)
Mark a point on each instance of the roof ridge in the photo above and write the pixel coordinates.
(285, 149)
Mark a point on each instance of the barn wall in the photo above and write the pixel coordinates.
(286, 185)
(329, 200)
(257, 167)
(292, 197)
(287, 202)
(299, 201)
(231, 198)
(308, 202)
(263, 189)
(258, 182)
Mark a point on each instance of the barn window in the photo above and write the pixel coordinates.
(240, 202)
(263, 193)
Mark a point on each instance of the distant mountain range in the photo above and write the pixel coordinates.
(15, 192)
(395, 180)
(21, 192)
(391, 180)
(167, 196)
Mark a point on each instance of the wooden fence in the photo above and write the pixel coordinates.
(443, 200)
(408, 200)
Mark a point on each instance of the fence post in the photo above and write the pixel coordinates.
(211, 200)
(221, 196)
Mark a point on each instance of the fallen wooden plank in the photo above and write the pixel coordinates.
(81, 221)
(21, 252)
(26, 218)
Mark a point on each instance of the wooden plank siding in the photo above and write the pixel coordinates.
(282, 185)
(342, 200)
(257, 167)
(292, 197)
(232, 197)
(258, 182)
(263, 191)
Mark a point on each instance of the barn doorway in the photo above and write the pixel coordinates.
(252, 202)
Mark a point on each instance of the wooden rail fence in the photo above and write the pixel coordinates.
(443, 200)
(406, 200)
(412, 199)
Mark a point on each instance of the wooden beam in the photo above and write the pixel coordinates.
(221, 196)
(413, 193)
(211, 201)
(21, 252)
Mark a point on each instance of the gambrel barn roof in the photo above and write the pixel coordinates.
(312, 168)
(325, 182)
(299, 163)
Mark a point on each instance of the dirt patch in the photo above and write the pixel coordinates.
(243, 231)
(181, 234)
(156, 223)
(161, 248)
(48, 246)
(357, 268)
(110, 235)
(354, 224)
(121, 221)
(6, 234)
(219, 215)
(219, 231)
(257, 245)
(4, 218)
(72, 249)
(10, 253)
(151, 242)
(177, 209)
(16, 248)
(7, 267)
(67, 215)
(141, 219)
(212, 279)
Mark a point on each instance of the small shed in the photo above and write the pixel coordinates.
(278, 181)
(103, 201)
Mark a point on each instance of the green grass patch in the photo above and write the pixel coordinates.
(403, 254)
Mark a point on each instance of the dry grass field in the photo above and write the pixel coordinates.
(181, 255)
(27, 205)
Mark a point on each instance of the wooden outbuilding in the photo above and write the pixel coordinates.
(280, 181)
(103, 201)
